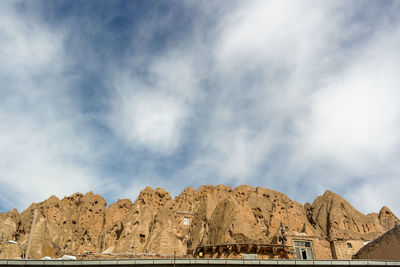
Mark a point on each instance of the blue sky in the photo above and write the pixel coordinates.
(112, 96)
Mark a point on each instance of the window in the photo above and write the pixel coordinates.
(349, 245)
(304, 250)
(186, 221)
(142, 238)
(302, 244)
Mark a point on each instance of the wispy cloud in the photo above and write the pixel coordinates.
(151, 113)
(41, 137)
(299, 97)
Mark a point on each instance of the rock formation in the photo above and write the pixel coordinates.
(158, 225)
(337, 219)
(385, 247)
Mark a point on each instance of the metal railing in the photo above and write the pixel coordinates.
(200, 262)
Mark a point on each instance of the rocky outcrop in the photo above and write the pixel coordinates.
(156, 224)
(386, 247)
(128, 226)
(387, 219)
(337, 219)
(247, 214)
(9, 222)
(68, 226)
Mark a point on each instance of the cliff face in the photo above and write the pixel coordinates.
(246, 214)
(337, 219)
(158, 224)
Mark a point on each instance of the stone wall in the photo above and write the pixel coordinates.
(345, 249)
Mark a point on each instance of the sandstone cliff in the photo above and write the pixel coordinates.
(337, 219)
(156, 224)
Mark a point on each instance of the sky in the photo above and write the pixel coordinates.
(113, 96)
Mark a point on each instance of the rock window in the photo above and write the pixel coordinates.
(142, 238)
(186, 221)
(304, 250)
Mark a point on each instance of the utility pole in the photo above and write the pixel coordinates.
(32, 231)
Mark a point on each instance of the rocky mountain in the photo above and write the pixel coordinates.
(156, 224)
(337, 218)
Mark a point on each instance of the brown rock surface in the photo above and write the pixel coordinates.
(66, 226)
(155, 224)
(386, 247)
(387, 218)
(9, 223)
(338, 219)
(129, 225)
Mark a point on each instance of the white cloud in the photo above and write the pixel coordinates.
(287, 76)
(41, 136)
(41, 158)
(149, 120)
(268, 35)
(296, 77)
(355, 117)
(26, 46)
(375, 193)
(305, 88)
(265, 54)
(152, 114)
(235, 154)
